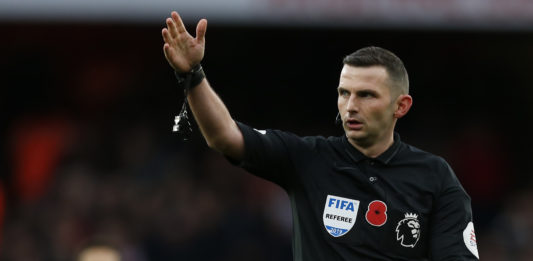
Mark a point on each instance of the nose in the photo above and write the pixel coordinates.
(352, 105)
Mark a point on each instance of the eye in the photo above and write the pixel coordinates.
(344, 93)
(366, 94)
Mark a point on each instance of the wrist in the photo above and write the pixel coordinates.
(190, 79)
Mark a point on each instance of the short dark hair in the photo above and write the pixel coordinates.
(377, 56)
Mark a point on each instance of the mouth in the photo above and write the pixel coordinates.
(354, 124)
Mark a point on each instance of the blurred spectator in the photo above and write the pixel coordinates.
(99, 252)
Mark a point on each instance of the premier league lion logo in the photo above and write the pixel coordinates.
(408, 230)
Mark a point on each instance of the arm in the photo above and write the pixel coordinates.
(183, 52)
(452, 231)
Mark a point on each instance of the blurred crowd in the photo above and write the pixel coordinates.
(154, 204)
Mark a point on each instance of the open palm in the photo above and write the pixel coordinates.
(183, 51)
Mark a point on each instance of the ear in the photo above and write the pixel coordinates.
(403, 104)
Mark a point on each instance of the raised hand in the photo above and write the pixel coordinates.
(183, 51)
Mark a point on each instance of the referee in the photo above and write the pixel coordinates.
(363, 196)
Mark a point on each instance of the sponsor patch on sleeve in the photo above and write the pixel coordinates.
(469, 236)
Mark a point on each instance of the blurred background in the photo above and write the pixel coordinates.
(89, 101)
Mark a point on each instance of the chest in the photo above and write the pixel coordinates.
(370, 205)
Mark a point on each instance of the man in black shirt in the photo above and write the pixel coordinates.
(363, 196)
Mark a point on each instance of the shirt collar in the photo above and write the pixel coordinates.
(384, 157)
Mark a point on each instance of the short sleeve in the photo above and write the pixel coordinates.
(269, 154)
(452, 230)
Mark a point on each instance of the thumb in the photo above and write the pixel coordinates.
(200, 31)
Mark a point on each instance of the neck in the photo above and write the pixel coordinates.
(373, 150)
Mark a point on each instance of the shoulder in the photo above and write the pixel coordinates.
(321, 143)
(434, 165)
(294, 143)
(330, 148)
(412, 155)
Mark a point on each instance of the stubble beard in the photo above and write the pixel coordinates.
(361, 139)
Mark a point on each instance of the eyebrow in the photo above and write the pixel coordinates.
(366, 91)
(358, 91)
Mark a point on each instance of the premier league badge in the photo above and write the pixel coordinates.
(408, 230)
(339, 215)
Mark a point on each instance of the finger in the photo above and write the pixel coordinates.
(172, 28)
(179, 23)
(166, 36)
(165, 50)
(169, 52)
(201, 28)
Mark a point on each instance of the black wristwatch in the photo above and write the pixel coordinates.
(191, 79)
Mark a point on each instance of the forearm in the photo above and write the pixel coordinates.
(218, 128)
(183, 53)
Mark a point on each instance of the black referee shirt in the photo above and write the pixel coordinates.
(406, 204)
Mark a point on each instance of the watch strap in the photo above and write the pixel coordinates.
(191, 79)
